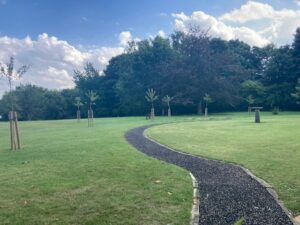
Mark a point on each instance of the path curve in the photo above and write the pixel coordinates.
(227, 192)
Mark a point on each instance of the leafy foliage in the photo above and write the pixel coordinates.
(186, 66)
(207, 99)
(8, 71)
(78, 102)
(240, 222)
(92, 97)
(296, 94)
(151, 95)
(250, 100)
(167, 99)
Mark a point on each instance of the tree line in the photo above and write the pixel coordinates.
(184, 67)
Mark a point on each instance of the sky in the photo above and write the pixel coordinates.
(55, 37)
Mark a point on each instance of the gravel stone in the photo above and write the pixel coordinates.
(227, 192)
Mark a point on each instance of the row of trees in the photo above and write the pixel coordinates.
(187, 66)
(184, 66)
(37, 103)
(151, 97)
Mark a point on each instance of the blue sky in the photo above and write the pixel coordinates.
(55, 37)
(99, 22)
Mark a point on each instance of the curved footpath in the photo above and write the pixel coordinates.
(227, 192)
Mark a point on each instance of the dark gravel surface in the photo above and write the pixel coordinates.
(227, 192)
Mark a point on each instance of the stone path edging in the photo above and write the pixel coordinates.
(196, 202)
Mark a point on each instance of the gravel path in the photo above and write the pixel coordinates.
(227, 192)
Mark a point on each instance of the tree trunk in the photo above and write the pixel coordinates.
(152, 114)
(169, 112)
(249, 110)
(17, 130)
(163, 112)
(90, 118)
(78, 116)
(14, 131)
(206, 111)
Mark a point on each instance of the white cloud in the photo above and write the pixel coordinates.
(254, 22)
(217, 28)
(278, 26)
(51, 60)
(297, 2)
(250, 11)
(162, 34)
(125, 37)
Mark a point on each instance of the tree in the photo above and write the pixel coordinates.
(296, 53)
(167, 99)
(89, 78)
(250, 100)
(92, 97)
(254, 92)
(37, 103)
(151, 97)
(78, 104)
(7, 70)
(207, 99)
(30, 101)
(279, 79)
(296, 94)
(253, 88)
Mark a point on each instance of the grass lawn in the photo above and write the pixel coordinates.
(271, 149)
(70, 174)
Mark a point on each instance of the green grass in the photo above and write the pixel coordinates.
(70, 174)
(271, 149)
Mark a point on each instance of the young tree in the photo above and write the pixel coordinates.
(207, 99)
(167, 99)
(250, 100)
(7, 70)
(151, 97)
(78, 104)
(92, 97)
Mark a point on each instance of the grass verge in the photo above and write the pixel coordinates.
(271, 149)
(68, 173)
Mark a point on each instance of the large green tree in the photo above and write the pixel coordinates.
(185, 66)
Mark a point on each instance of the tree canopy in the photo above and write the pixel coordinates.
(184, 66)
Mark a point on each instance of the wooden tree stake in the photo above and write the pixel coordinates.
(17, 130)
(14, 131)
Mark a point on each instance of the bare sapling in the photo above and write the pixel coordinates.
(167, 99)
(7, 71)
(78, 104)
(92, 97)
(207, 99)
